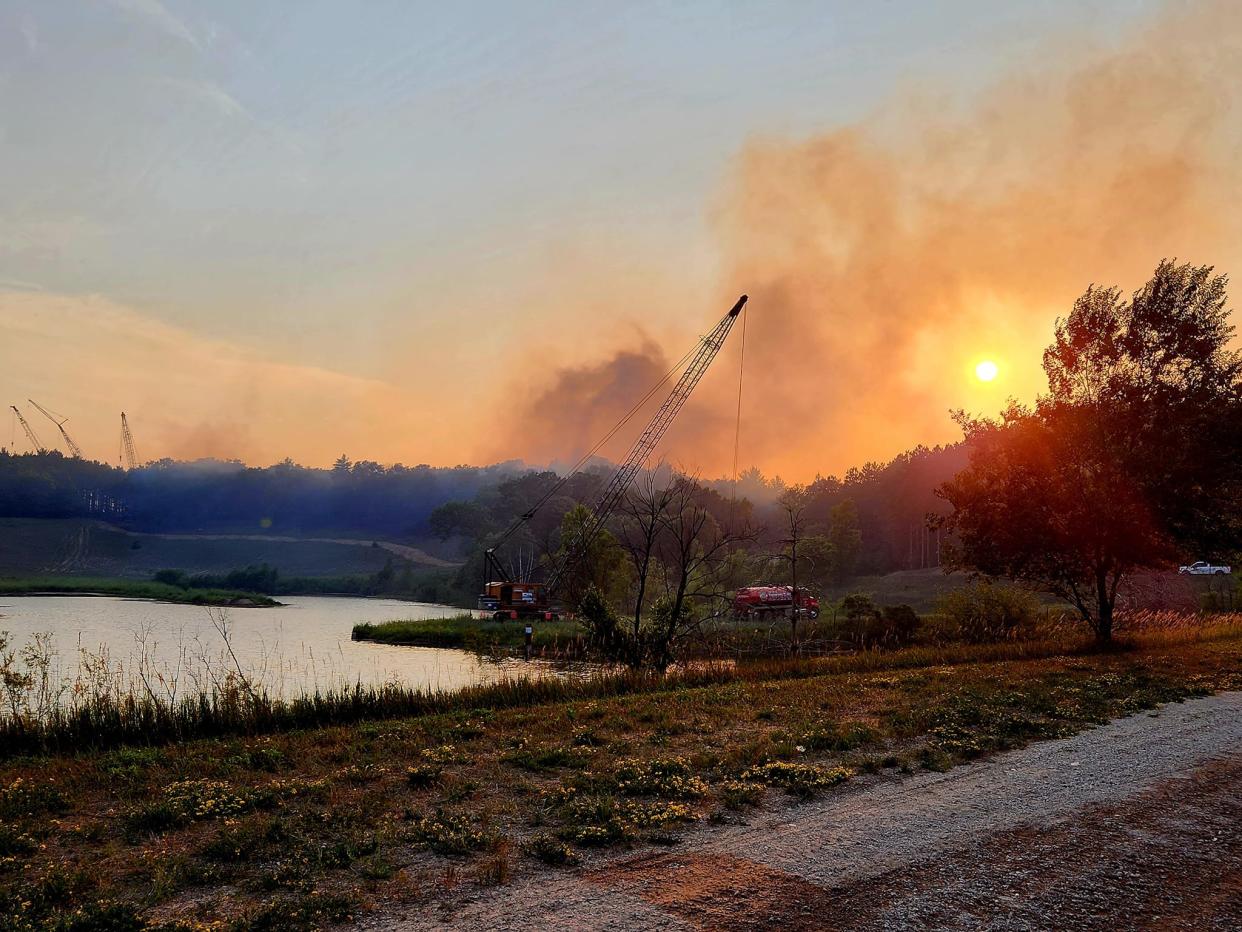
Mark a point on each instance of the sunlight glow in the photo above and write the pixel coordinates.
(986, 371)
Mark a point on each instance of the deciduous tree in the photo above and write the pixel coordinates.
(1133, 458)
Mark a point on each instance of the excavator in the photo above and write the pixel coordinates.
(509, 598)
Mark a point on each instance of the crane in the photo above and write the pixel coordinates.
(509, 598)
(30, 434)
(59, 420)
(129, 457)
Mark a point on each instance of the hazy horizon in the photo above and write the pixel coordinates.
(440, 236)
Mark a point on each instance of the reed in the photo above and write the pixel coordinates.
(95, 717)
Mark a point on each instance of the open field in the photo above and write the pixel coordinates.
(34, 547)
(420, 814)
(920, 589)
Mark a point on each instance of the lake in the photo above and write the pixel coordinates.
(300, 647)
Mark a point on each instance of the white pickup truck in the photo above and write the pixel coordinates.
(1203, 568)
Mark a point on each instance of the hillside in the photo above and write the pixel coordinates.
(37, 547)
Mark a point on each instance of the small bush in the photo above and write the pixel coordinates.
(934, 758)
(21, 798)
(901, 624)
(552, 850)
(451, 833)
(735, 794)
(801, 779)
(669, 777)
(130, 765)
(654, 814)
(866, 624)
(101, 917)
(985, 611)
(188, 801)
(835, 737)
(14, 843)
(421, 776)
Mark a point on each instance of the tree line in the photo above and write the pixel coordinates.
(1130, 461)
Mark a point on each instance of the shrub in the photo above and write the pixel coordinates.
(661, 777)
(102, 917)
(188, 801)
(14, 843)
(421, 776)
(23, 798)
(901, 623)
(451, 833)
(310, 911)
(831, 736)
(985, 611)
(601, 622)
(738, 793)
(594, 821)
(552, 850)
(802, 779)
(866, 624)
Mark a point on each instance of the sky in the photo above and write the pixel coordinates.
(447, 233)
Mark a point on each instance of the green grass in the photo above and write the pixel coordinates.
(131, 589)
(472, 633)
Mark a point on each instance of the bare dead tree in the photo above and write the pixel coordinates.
(793, 504)
(694, 550)
(642, 521)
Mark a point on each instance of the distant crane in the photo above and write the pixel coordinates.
(129, 458)
(30, 434)
(59, 420)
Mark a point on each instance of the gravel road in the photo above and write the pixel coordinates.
(1132, 824)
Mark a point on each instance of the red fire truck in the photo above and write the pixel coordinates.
(777, 600)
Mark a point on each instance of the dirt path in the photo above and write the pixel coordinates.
(1133, 824)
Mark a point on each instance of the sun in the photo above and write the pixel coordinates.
(986, 371)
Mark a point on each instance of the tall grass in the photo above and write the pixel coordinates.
(466, 631)
(232, 706)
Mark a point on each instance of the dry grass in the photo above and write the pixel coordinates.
(300, 828)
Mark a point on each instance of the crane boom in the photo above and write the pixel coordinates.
(650, 438)
(129, 457)
(59, 421)
(30, 434)
(509, 598)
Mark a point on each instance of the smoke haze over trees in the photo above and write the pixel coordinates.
(457, 508)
